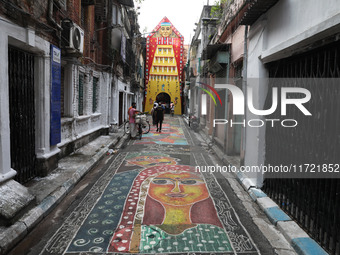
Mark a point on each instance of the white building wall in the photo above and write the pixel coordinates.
(74, 127)
(25, 39)
(284, 29)
(114, 101)
(104, 91)
(293, 23)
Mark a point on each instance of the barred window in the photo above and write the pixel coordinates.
(95, 95)
(81, 94)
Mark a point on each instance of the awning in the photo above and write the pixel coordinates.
(255, 8)
(211, 50)
(126, 2)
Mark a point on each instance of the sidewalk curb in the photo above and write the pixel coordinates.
(295, 235)
(13, 234)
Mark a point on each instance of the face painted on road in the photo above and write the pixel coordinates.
(182, 188)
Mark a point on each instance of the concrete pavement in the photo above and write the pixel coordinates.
(50, 190)
(149, 200)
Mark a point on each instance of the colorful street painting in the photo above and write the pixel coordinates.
(170, 134)
(155, 203)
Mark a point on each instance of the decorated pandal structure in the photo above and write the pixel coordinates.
(164, 66)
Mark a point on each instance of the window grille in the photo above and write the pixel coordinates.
(95, 95)
(313, 203)
(81, 95)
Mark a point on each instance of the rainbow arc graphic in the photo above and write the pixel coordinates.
(209, 93)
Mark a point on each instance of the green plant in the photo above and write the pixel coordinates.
(217, 8)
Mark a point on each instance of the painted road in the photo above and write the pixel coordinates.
(150, 200)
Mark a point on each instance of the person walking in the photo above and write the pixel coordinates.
(172, 109)
(153, 113)
(132, 120)
(159, 116)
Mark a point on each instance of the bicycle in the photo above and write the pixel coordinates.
(145, 126)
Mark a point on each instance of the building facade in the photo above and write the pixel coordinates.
(71, 69)
(295, 44)
(272, 45)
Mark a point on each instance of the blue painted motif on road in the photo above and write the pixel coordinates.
(97, 230)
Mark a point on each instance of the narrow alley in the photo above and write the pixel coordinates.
(246, 162)
(150, 199)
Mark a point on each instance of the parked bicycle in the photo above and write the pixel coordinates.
(193, 122)
(145, 125)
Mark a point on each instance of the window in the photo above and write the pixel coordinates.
(81, 94)
(114, 14)
(83, 15)
(101, 10)
(95, 95)
(63, 4)
(119, 16)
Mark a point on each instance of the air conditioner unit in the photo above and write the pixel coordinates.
(72, 37)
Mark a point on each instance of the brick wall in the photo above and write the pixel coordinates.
(33, 14)
(73, 10)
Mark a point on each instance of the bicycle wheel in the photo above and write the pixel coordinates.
(146, 127)
(140, 131)
(127, 127)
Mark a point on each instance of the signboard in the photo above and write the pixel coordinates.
(55, 127)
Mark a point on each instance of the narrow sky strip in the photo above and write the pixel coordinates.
(208, 94)
(213, 90)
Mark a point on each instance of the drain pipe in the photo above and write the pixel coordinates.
(244, 89)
